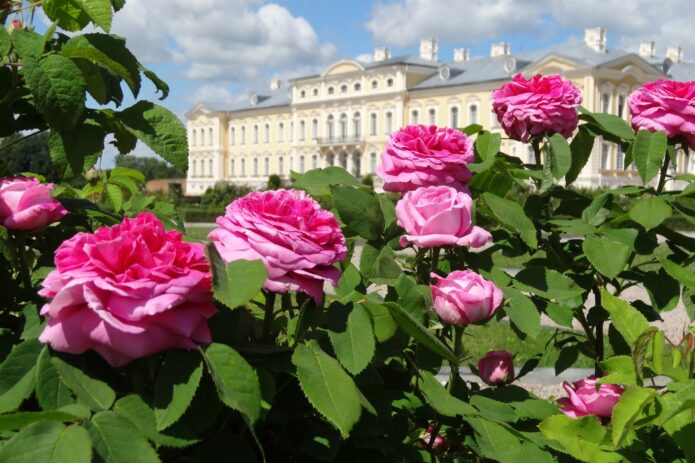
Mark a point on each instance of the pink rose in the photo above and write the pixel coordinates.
(128, 291)
(497, 367)
(540, 105)
(27, 204)
(584, 398)
(420, 155)
(439, 216)
(665, 105)
(464, 297)
(297, 240)
(440, 444)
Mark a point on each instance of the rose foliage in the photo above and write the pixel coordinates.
(329, 321)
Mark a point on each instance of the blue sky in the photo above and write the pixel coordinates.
(217, 50)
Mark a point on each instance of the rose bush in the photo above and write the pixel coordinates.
(148, 350)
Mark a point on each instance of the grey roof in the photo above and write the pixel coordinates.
(401, 59)
(272, 99)
(683, 72)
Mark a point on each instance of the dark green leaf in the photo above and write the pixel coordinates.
(116, 440)
(5, 42)
(360, 211)
(627, 410)
(384, 325)
(650, 212)
(613, 125)
(99, 11)
(626, 319)
(522, 312)
(175, 386)
(581, 146)
(96, 394)
(237, 282)
(471, 129)
(142, 416)
(609, 257)
(51, 392)
(20, 420)
(17, 374)
(159, 84)
(28, 44)
(512, 215)
(496, 442)
(648, 152)
(559, 155)
(78, 147)
(487, 145)
(440, 399)
(619, 370)
(71, 15)
(351, 334)
(48, 442)
(317, 181)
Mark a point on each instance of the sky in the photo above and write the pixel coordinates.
(220, 50)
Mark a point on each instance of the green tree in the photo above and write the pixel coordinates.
(30, 154)
(151, 167)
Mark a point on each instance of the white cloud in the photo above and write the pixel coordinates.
(221, 40)
(212, 93)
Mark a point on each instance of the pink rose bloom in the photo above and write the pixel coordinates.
(440, 444)
(535, 106)
(497, 367)
(420, 155)
(584, 398)
(26, 204)
(128, 291)
(439, 216)
(297, 240)
(464, 297)
(665, 105)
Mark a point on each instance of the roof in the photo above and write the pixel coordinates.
(683, 72)
(272, 99)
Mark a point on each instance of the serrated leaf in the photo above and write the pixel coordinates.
(159, 129)
(441, 400)
(5, 42)
(682, 275)
(512, 215)
(487, 145)
(627, 410)
(317, 182)
(352, 336)
(78, 147)
(522, 312)
(360, 211)
(51, 392)
(609, 257)
(580, 437)
(28, 44)
(159, 84)
(384, 324)
(619, 370)
(117, 440)
(17, 374)
(142, 417)
(237, 282)
(70, 14)
(580, 147)
(559, 155)
(175, 386)
(327, 386)
(58, 88)
(648, 153)
(100, 12)
(22, 419)
(96, 394)
(120, 171)
(236, 381)
(614, 125)
(48, 442)
(625, 318)
(496, 442)
(109, 52)
(650, 212)
(115, 195)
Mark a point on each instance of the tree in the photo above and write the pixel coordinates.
(29, 154)
(151, 167)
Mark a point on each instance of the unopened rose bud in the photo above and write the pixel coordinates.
(496, 367)
(16, 24)
(92, 174)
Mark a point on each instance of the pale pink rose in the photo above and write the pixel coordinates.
(496, 367)
(128, 291)
(439, 216)
(585, 398)
(665, 105)
(464, 297)
(26, 204)
(420, 155)
(535, 106)
(298, 242)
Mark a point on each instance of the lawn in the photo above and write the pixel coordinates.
(197, 233)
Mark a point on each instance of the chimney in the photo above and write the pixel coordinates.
(647, 49)
(499, 49)
(428, 49)
(461, 54)
(275, 84)
(595, 38)
(675, 53)
(382, 53)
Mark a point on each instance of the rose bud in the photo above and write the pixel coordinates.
(496, 368)
(464, 297)
(585, 398)
(26, 204)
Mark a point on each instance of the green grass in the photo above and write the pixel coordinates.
(197, 233)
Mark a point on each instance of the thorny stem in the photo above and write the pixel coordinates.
(662, 174)
(435, 260)
(598, 340)
(24, 271)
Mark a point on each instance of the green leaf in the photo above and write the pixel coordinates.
(5, 42)
(51, 392)
(496, 442)
(141, 415)
(580, 437)
(613, 125)
(684, 276)
(512, 215)
(620, 370)
(627, 410)
(117, 440)
(100, 12)
(317, 182)
(629, 322)
(48, 442)
(237, 282)
(522, 312)
(471, 129)
(360, 211)
(175, 386)
(58, 89)
(609, 257)
(648, 152)
(17, 374)
(384, 325)
(327, 386)
(160, 129)
(547, 283)
(487, 145)
(71, 15)
(28, 44)
(581, 146)
(349, 280)
(115, 195)
(416, 330)
(650, 212)
(78, 147)
(559, 155)
(96, 394)
(352, 336)
(159, 84)
(109, 52)
(236, 381)
(20, 420)
(441, 400)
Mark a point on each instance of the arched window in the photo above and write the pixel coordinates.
(301, 164)
(330, 127)
(209, 167)
(372, 124)
(433, 116)
(255, 134)
(281, 165)
(605, 102)
(232, 136)
(302, 130)
(210, 136)
(314, 161)
(357, 125)
(454, 117)
(302, 94)
(243, 135)
(243, 167)
(356, 164)
(331, 90)
(388, 126)
(621, 105)
(343, 88)
(343, 125)
(232, 168)
(330, 159)
(194, 170)
(358, 86)
(266, 166)
(266, 133)
(372, 163)
(255, 167)
(473, 114)
(375, 84)
(605, 156)
(194, 137)
(292, 131)
(389, 82)
(281, 132)
(315, 92)
(414, 117)
(314, 128)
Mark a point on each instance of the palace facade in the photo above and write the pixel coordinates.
(342, 117)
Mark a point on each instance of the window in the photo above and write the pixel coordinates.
(255, 167)
(343, 88)
(621, 105)
(232, 168)
(302, 94)
(210, 136)
(686, 162)
(243, 167)
(329, 127)
(375, 84)
(473, 114)
(343, 161)
(301, 164)
(495, 121)
(372, 124)
(314, 128)
(413, 117)
(620, 159)
(314, 161)
(330, 159)
(266, 167)
(605, 102)
(255, 134)
(194, 136)
(343, 125)
(331, 90)
(454, 117)
(389, 82)
(356, 165)
(302, 130)
(358, 86)
(433, 116)
(195, 168)
(232, 136)
(281, 165)
(605, 156)
(266, 133)
(357, 125)
(243, 135)
(389, 123)
(372, 163)
(291, 131)
(315, 92)
(281, 132)
(209, 167)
